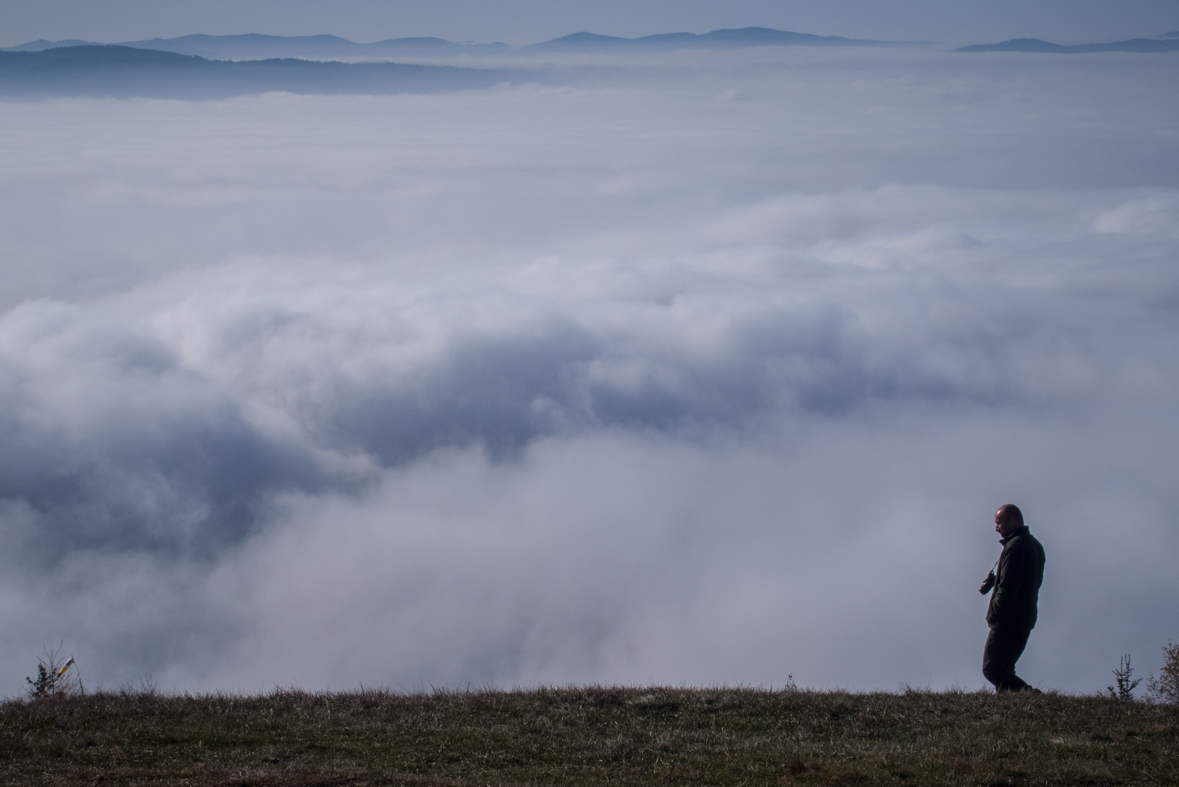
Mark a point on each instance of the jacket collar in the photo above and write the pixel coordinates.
(1023, 529)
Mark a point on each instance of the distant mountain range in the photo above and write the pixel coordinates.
(124, 72)
(1143, 45)
(207, 67)
(254, 46)
(717, 39)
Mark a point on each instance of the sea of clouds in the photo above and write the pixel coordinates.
(697, 370)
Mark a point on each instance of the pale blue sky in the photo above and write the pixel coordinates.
(529, 21)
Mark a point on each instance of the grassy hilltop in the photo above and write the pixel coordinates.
(588, 736)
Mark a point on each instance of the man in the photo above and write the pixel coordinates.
(1011, 614)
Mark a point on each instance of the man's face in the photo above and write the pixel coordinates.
(1004, 524)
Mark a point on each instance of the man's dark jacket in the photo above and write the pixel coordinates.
(1017, 583)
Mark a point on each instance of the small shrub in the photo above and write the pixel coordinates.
(1166, 689)
(1125, 682)
(54, 677)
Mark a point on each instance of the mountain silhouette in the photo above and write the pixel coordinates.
(1145, 45)
(255, 46)
(41, 44)
(717, 39)
(124, 72)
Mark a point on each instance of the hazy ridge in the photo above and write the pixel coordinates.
(197, 67)
(1140, 45)
(253, 46)
(123, 72)
(717, 39)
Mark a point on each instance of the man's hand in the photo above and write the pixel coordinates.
(987, 584)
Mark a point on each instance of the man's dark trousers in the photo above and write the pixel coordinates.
(1004, 647)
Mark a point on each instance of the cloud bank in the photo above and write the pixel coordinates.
(704, 370)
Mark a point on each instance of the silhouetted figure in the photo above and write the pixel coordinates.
(1011, 614)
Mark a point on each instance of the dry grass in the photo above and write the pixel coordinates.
(588, 736)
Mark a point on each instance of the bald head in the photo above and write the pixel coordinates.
(1008, 519)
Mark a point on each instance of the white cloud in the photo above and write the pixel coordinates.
(611, 382)
(1155, 214)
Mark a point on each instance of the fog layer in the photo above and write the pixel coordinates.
(712, 369)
